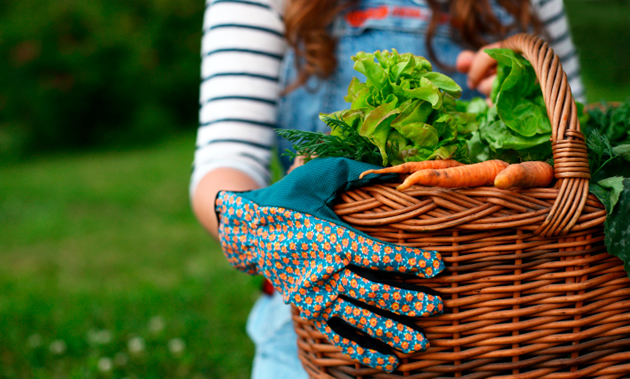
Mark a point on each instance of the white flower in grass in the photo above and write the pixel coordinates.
(121, 359)
(176, 346)
(105, 364)
(34, 341)
(57, 347)
(156, 324)
(99, 337)
(136, 345)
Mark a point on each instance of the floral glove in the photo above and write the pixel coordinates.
(335, 275)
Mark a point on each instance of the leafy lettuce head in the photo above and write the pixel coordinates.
(406, 109)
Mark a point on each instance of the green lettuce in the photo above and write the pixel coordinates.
(614, 193)
(516, 127)
(406, 109)
(517, 95)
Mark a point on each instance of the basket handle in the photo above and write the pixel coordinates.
(567, 142)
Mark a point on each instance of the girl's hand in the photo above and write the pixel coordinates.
(481, 69)
(297, 162)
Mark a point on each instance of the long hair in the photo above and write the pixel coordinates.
(307, 21)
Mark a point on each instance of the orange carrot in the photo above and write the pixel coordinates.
(525, 175)
(474, 175)
(408, 167)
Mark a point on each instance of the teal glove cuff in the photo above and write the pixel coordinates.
(312, 188)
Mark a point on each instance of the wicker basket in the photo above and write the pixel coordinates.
(529, 289)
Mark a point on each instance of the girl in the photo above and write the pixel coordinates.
(271, 64)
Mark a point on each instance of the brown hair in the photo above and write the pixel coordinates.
(306, 23)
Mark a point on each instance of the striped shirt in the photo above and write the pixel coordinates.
(554, 19)
(242, 50)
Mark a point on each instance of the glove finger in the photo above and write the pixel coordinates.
(398, 335)
(383, 256)
(412, 302)
(371, 354)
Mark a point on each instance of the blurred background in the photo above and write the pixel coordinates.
(104, 271)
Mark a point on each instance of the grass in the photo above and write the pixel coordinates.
(601, 32)
(105, 244)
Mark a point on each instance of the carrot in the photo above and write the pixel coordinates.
(474, 175)
(408, 167)
(525, 175)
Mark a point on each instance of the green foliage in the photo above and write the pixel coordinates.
(89, 73)
(601, 33)
(614, 193)
(599, 149)
(608, 141)
(611, 121)
(607, 131)
(608, 191)
(347, 143)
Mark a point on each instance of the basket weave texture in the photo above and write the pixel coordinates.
(529, 290)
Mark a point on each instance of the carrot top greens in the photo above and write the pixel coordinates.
(345, 142)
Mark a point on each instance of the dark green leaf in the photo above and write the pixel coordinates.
(616, 167)
(607, 191)
(622, 151)
(617, 227)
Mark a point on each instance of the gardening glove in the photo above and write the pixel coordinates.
(337, 276)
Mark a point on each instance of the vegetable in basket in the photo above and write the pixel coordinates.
(411, 167)
(516, 127)
(607, 133)
(350, 145)
(337, 276)
(474, 175)
(531, 174)
(406, 111)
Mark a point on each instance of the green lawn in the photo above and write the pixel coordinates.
(105, 244)
(601, 32)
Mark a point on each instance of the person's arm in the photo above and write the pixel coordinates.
(242, 49)
(225, 178)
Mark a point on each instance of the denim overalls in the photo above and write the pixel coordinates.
(371, 25)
